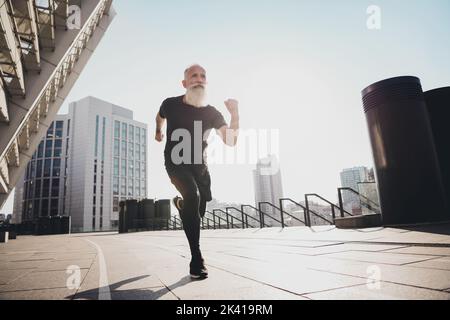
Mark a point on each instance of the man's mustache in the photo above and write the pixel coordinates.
(197, 86)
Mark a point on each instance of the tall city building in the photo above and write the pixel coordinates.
(91, 159)
(268, 186)
(43, 188)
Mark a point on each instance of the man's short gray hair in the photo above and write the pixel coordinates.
(190, 67)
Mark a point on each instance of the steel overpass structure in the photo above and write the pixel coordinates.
(44, 46)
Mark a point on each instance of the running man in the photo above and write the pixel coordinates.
(189, 123)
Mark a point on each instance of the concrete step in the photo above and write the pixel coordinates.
(362, 221)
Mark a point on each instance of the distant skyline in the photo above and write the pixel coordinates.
(295, 66)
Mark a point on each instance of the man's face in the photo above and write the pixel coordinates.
(195, 76)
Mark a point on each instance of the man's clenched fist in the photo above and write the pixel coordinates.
(159, 135)
(232, 106)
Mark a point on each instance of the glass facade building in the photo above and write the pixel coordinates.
(90, 160)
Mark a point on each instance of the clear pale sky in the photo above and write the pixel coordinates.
(296, 66)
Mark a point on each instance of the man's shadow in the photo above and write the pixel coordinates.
(131, 294)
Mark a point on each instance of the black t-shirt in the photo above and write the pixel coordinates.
(188, 144)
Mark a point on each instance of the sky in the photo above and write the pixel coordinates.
(296, 67)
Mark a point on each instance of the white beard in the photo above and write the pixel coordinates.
(196, 96)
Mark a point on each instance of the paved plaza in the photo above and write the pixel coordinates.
(253, 264)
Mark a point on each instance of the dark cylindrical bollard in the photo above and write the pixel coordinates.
(122, 218)
(438, 106)
(149, 212)
(131, 212)
(163, 212)
(163, 209)
(55, 225)
(65, 224)
(407, 169)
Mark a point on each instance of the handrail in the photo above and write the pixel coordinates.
(213, 220)
(304, 212)
(285, 212)
(175, 221)
(220, 218)
(368, 205)
(265, 213)
(261, 221)
(360, 195)
(227, 220)
(208, 220)
(333, 206)
(243, 214)
(174, 224)
(232, 217)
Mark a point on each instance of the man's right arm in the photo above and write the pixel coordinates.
(159, 135)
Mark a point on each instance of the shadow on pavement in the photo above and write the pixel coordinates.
(132, 294)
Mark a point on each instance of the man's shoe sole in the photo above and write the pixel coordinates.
(175, 203)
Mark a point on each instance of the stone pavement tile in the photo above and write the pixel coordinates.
(417, 237)
(39, 294)
(326, 249)
(255, 292)
(172, 269)
(296, 243)
(296, 279)
(435, 251)
(207, 291)
(41, 280)
(156, 293)
(65, 256)
(13, 256)
(407, 275)
(220, 285)
(379, 257)
(333, 234)
(8, 276)
(126, 275)
(290, 277)
(385, 291)
(134, 281)
(23, 265)
(442, 263)
(56, 265)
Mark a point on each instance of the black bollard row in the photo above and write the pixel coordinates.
(145, 215)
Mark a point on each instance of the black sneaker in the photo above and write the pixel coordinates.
(178, 203)
(198, 270)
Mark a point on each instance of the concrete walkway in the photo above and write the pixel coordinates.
(261, 264)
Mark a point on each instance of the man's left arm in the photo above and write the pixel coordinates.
(230, 134)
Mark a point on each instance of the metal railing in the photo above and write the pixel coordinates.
(174, 223)
(244, 215)
(266, 214)
(261, 221)
(307, 221)
(220, 219)
(215, 217)
(369, 204)
(208, 220)
(232, 218)
(333, 206)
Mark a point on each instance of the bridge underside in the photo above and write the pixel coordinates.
(42, 53)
